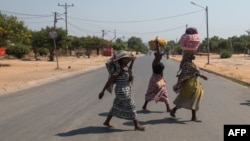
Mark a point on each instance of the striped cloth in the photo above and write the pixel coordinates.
(124, 104)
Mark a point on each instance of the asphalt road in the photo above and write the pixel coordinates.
(69, 110)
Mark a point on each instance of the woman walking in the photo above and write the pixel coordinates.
(157, 90)
(121, 76)
(188, 87)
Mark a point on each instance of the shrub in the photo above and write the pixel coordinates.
(19, 50)
(225, 54)
(43, 51)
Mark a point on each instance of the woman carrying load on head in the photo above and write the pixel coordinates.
(157, 90)
(188, 87)
(121, 76)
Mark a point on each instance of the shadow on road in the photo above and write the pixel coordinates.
(89, 130)
(166, 121)
(159, 121)
(145, 112)
(247, 103)
(104, 114)
(153, 121)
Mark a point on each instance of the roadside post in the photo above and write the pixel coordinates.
(53, 35)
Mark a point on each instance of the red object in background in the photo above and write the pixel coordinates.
(2, 51)
(107, 51)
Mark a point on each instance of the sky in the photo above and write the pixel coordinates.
(144, 19)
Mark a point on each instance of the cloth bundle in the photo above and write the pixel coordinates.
(162, 44)
(190, 40)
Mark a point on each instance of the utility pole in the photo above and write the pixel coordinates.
(55, 19)
(66, 12)
(66, 22)
(103, 33)
(115, 35)
(206, 9)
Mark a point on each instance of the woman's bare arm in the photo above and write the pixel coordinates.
(158, 55)
(108, 83)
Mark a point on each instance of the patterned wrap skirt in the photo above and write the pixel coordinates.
(124, 105)
(155, 93)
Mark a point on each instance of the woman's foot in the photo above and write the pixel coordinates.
(169, 110)
(195, 120)
(140, 128)
(108, 125)
(146, 109)
(172, 113)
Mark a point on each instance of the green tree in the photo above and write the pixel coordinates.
(13, 31)
(224, 45)
(92, 43)
(41, 39)
(119, 45)
(136, 44)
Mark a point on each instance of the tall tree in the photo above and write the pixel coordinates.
(136, 44)
(41, 39)
(13, 31)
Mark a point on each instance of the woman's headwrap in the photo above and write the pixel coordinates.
(113, 65)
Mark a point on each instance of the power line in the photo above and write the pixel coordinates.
(15, 13)
(137, 21)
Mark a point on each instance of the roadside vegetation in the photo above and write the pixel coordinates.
(19, 41)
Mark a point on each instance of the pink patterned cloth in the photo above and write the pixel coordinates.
(190, 41)
(155, 93)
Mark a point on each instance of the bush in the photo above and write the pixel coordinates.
(43, 51)
(225, 54)
(18, 50)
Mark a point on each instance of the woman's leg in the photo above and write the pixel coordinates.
(194, 118)
(168, 107)
(173, 111)
(138, 126)
(106, 123)
(144, 107)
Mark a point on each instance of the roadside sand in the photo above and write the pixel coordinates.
(23, 74)
(236, 67)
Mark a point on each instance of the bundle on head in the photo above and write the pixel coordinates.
(190, 40)
(162, 43)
